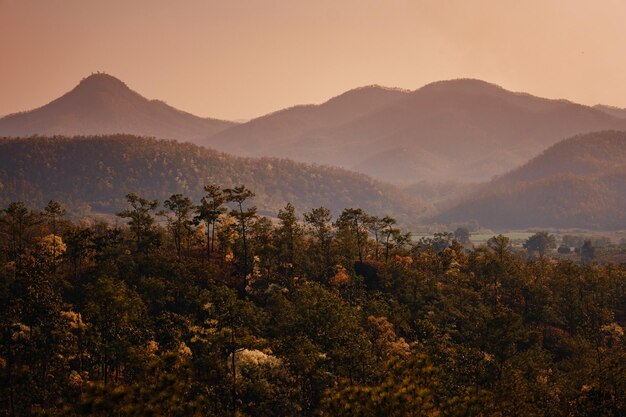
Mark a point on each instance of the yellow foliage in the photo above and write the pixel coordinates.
(341, 277)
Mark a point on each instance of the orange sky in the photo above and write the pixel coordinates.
(239, 59)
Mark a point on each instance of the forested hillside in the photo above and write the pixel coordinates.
(220, 312)
(449, 131)
(92, 175)
(579, 182)
(101, 104)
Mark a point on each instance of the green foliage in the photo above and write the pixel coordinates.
(540, 243)
(305, 317)
(93, 174)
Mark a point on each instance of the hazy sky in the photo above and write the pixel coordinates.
(239, 59)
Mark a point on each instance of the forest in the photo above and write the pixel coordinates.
(90, 175)
(579, 182)
(208, 308)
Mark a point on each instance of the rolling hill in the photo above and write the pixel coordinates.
(276, 133)
(101, 104)
(459, 130)
(578, 183)
(93, 174)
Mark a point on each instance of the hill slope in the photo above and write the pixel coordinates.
(274, 134)
(95, 173)
(102, 104)
(578, 183)
(453, 130)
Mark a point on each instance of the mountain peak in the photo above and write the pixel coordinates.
(101, 81)
(368, 91)
(468, 85)
(103, 104)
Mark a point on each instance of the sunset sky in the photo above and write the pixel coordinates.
(239, 59)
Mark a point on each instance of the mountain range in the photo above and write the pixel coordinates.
(577, 183)
(456, 131)
(459, 130)
(456, 151)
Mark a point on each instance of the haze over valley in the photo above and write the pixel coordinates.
(431, 147)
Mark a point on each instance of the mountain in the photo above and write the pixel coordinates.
(274, 134)
(458, 130)
(95, 173)
(612, 110)
(101, 104)
(577, 183)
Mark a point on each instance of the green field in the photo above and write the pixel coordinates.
(519, 236)
(478, 238)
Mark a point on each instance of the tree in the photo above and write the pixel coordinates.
(180, 220)
(462, 234)
(438, 243)
(390, 233)
(209, 212)
(540, 243)
(499, 245)
(587, 252)
(118, 318)
(288, 235)
(141, 221)
(54, 212)
(375, 226)
(411, 387)
(239, 195)
(563, 250)
(80, 245)
(319, 222)
(17, 221)
(351, 222)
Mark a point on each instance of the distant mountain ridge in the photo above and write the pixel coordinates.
(457, 130)
(274, 134)
(578, 183)
(612, 110)
(102, 104)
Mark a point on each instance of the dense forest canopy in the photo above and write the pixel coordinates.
(206, 308)
(92, 174)
(578, 183)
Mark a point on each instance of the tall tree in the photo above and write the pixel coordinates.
(179, 221)
(17, 221)
(209, 211)
(141, 221)
(289, 235)
(319, 222)
(375, 226)
(389, 233)
(352, 221)
(587, 252)
(54, 212)
(239, 195)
